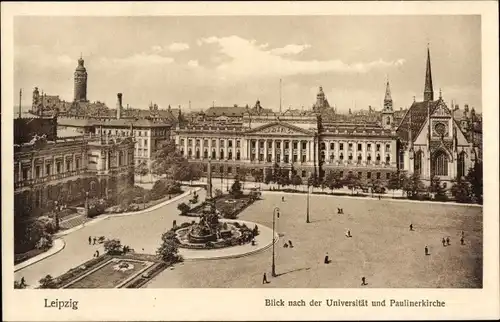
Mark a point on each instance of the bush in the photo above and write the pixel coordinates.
(113, 246)
(183, 208)
(96, 207)
(168, 250)
(47, 282)
(164, 187)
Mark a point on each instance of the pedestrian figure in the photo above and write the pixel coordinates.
(348, 233)
(264, 279)
(23, 281)
(462, 241)
(283, 199)
(463, 233)
(448, 241)
(342, 211)
(378, 197)
(363, 281)
(411, 227)
(327, 260)
(95, 240)
(426, 250)
(285, 245)
(338, 211)
(290, 244)
(90, 240)
(444, 242)
(96, 253)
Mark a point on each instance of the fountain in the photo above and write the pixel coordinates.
(209, 231)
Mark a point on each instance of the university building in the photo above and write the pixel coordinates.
(425, 139)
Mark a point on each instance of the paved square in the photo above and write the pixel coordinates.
(382, 248)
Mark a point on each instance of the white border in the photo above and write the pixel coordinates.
(248, 304)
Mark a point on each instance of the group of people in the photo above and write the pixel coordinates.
(445, 241)
(287, 245)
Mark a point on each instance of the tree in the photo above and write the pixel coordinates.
(351, 181)
(168, 250)
(258, 175)
(475, 177)
(242, 175)
(141, 170)
(236, 191)
(462, 191)
(268, 177)
(47, 282)
(394, 182)
(436, 187)
(113, 246)
(170, 162)
(333, 180)
(413, 186)
(296, 180)
(283, 178)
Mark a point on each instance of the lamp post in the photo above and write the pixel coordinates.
(276, 211)
(307, 211)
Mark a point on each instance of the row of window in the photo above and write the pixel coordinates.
(158, 132)
(350, 146)
(253, 144)
(49, 169)
(214, 143)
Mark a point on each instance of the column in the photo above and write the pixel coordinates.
(186, 146)
(217, 149)
(273, 151)
(282, 156)
(193, 147)
(20, 171)
(202, 147)
(265, 150)
(74, 162)
(33, 168)
(226, 149)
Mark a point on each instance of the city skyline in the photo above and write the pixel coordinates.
(236, 60)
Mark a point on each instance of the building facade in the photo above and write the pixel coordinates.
(431, 142)
(67, 171)
(308, 143)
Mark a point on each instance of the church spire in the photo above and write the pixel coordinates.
(428, 90)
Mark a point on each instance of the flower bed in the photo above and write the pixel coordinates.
(19, 258)
(139, 281)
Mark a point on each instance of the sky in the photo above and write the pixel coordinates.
(205, 60)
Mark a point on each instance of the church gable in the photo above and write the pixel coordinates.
(441, 110)
(279, 128)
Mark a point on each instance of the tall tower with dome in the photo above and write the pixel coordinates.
(80, 82)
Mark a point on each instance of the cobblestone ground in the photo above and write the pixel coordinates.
(382, 248)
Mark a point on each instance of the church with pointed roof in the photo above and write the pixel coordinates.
(431, 143)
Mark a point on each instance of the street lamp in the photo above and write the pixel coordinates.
(307, 211)
(276, 212)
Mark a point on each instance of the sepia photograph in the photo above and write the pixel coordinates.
(233, 151)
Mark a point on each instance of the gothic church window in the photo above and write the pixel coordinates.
(461, 165)
(418, 163)
(440, 164)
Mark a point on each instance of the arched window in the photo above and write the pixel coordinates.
(323, 156)
(213, 154)
(461, 165)
(197, 154)
(222, 154)
(418, 163)
(401, 160)
(440, 164)
(341, 156)
(205, 155)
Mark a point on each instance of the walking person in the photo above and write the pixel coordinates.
(95, 239)
(462, 241)
(363, 281)
(327, 260)
(448, 241)
(90, 240)
(444, 242)
(96, 253)
(23, 281)
(463, 234)
(411, 227)
(264, 279)
(290, 244)
(283, 199)
(426, 250)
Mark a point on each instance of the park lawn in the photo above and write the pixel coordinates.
(382, 248)
(107, 277)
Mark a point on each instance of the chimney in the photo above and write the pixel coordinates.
(119, 106)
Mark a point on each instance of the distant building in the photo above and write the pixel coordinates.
(48, 169)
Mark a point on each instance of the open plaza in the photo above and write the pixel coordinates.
(382, 248)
